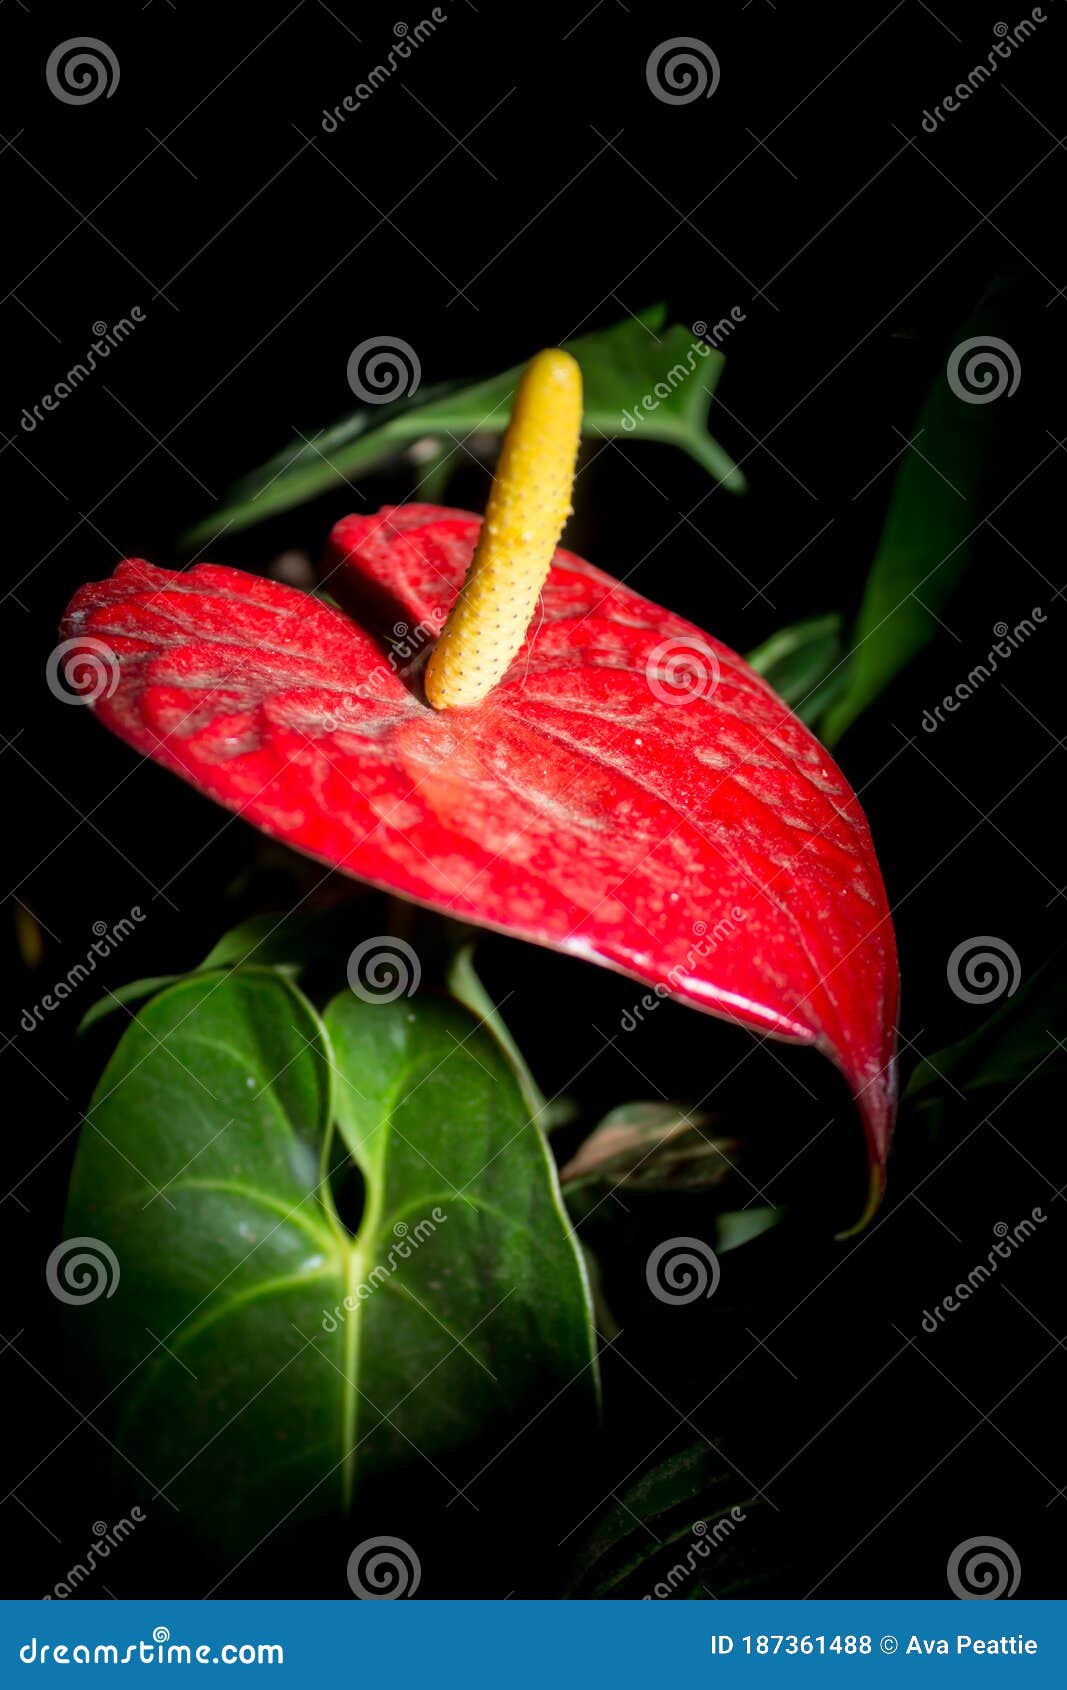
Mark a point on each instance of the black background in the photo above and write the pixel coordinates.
(515, 184)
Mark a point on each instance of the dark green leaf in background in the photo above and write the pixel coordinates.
(1027, 1035)
(804, 664)
(935, 509)
(641, 358)
(685, 1529)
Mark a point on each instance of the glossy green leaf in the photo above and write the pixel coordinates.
(433, 1114)
(199, 1169)
(643, 380)
(934, 511)
(804, 664)
(261, 1362)
(124, 997)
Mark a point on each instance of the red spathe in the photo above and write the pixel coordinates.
(632, 792)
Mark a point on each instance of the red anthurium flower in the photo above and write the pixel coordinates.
(630, 791)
